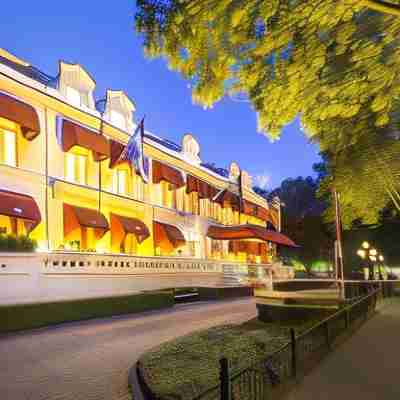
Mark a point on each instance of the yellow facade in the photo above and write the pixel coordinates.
(53, 177)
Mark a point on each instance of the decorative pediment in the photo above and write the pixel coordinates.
(76, 84)
(191, 149)
(119, 110)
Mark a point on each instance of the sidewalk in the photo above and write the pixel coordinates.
(366, 366)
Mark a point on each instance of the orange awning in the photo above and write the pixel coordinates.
(237, 232)
(174, 235)
(22, 206)
(77, 135)
(20, 113)
(162, 172)
(84, 217)
(132, 225)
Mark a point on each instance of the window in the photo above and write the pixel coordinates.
(129, 245)
(8, 147)
(76, 167)
(120, 181)
(138, 187)
(118, 119)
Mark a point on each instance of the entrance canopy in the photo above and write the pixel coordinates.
(22, 206)
(238, 232)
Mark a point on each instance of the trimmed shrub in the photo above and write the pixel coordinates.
(12, 243)
(221, 293)
(26, 316)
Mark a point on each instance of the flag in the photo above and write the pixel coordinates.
(133, 152)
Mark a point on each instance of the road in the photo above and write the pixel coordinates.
(364, 367)
(90, 360)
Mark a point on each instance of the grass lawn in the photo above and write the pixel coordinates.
(187, 366)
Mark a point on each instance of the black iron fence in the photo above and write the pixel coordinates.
(259, 380)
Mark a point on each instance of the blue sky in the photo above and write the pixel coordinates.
(100, 36)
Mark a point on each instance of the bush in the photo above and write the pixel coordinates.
(26, 316)
(22, 243)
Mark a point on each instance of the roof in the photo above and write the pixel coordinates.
(29, 71)
(47, 80)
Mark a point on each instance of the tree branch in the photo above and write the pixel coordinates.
(383, 6)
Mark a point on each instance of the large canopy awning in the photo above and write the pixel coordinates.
(20, 113)
(85, 217)
(132, 225)
(239, 232)
(174, 235)
(77, 135)
(163, 172)
(22, 206)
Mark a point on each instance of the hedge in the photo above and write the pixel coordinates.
(221, 293)
(27, 316)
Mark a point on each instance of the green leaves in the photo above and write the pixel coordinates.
(336, 63)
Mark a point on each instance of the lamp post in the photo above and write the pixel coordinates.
(370, 256)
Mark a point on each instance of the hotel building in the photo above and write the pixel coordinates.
(63, 184)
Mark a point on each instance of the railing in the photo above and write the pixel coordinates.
(258, 380)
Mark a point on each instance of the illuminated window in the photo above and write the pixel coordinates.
(138, 187)
(120, 181)
(8, 147)
(76, 168)
(129, 244)
(118, 119)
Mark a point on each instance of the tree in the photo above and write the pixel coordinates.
(302, 218)
(334, 63)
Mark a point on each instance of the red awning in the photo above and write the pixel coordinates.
(85, 217)
(225, 196)
(22, 206)
(174, 235)
(77, 135)
(238, 232)
(204, 190)
(162, 172)
(20, 113)
(134, 226)
(116, 149)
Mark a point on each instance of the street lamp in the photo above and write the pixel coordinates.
(370, 256)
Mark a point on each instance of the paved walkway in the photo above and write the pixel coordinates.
(90, 360)
(367, 366)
